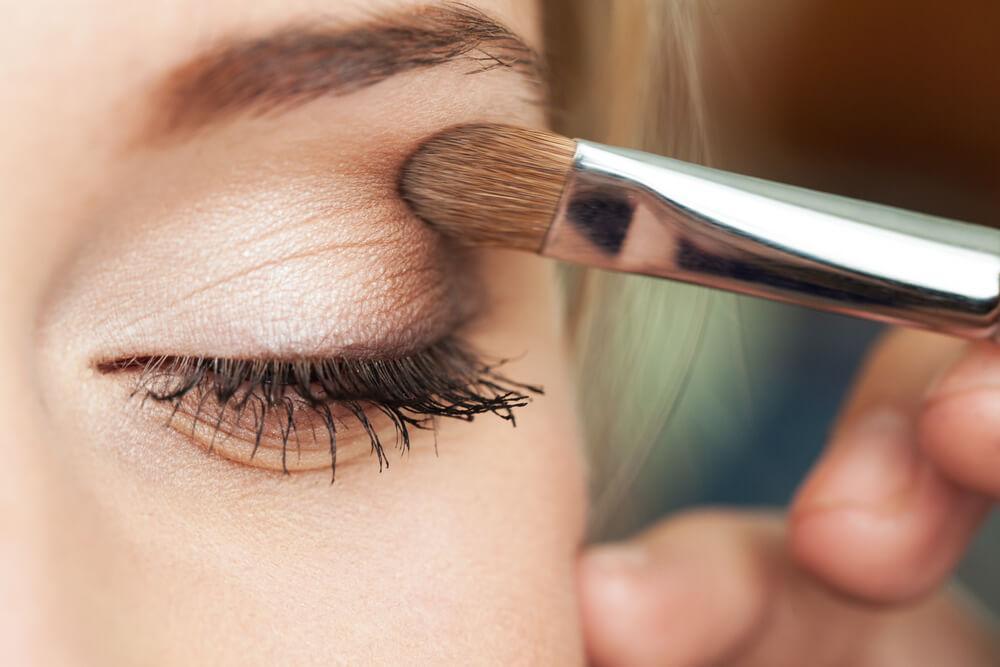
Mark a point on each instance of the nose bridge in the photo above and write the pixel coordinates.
(47, 580)
(27, 613)
(31, 613)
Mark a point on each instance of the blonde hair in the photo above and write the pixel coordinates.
(625, 73)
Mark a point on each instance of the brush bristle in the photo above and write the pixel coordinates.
(489, 185)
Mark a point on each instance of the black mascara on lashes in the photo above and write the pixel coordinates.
(445, 379)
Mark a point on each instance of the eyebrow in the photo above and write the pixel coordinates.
(297, 65)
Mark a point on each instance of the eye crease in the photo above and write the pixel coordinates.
(259, 400)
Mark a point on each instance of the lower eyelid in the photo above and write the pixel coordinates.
(305, 449)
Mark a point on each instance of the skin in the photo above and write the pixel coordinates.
(126, 542)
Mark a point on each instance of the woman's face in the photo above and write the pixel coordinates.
(199, 200)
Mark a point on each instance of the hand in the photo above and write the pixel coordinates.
(852, 577)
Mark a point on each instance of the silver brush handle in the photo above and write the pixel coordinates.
(638, 213)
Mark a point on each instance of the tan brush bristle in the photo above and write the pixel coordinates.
(489, 185)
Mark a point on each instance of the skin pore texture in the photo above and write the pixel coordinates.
(272, 235)
(261, 221)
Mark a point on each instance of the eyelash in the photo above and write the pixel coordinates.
(445, 379)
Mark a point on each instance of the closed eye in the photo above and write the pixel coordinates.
(244, 407)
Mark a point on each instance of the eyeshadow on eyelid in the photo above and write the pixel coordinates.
(369, 298)
(303, 267)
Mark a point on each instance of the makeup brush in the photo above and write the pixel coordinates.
(607, 207)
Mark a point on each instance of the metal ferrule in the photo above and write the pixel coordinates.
(638, 213)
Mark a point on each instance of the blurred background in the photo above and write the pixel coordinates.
(890, 101)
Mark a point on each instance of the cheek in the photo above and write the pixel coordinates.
(477, 548)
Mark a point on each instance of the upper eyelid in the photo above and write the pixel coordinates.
(311, 252)
(315, 230)
(330, 288)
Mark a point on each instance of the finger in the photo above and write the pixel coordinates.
(877, 518)
(712, 588)
(688, 592)
(959, 426)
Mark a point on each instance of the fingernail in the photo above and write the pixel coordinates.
(872, 460)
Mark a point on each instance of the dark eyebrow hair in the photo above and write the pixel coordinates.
(297, 65)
